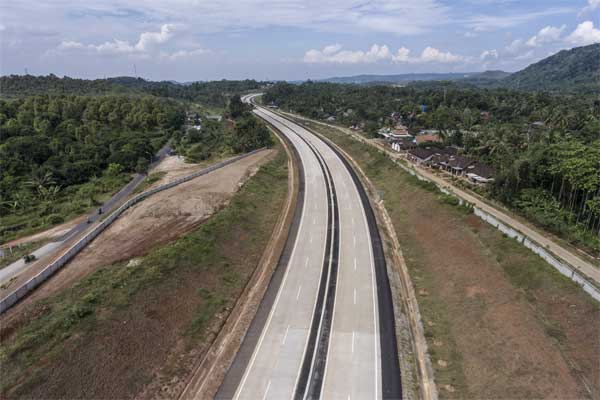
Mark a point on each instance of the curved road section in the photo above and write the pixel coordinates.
(330, 330)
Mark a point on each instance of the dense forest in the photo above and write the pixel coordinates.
(213, 94)
(545, 147)
(65, 144)
(576, 70)
(50, 146)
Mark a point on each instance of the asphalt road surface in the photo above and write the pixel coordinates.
(19, 266)
(329, 332)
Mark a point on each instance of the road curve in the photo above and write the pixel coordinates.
(329, 332)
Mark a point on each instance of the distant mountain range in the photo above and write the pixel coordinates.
(398, 78)
(577, 69)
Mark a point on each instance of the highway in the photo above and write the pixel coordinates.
(329, 332)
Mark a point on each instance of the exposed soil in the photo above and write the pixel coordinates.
(174, 167)
(486, 339)
(158, 219)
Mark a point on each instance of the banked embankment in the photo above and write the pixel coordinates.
(62, 260)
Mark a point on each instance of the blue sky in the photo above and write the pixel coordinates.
(189, 40)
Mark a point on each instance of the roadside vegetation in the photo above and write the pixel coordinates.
(145, 320)
(481, 293)
(240, 132)
(544, 147)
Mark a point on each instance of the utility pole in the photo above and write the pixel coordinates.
(26, 72)
(135, 71)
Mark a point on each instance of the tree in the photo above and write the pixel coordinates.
(236, 107)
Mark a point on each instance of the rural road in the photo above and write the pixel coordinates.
(329, 332)
(19, 266)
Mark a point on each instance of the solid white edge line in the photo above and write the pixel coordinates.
(271, 312)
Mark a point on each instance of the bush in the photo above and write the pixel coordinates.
(55, 219)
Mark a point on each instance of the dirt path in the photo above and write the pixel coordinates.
(158, 219)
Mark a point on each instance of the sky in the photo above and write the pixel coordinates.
(190, 40)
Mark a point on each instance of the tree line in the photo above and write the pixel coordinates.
(49, 144)
(240, 132)
(545, 147)
(213, 94)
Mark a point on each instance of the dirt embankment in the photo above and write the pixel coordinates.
(156, 220)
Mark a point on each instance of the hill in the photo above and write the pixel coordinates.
(577, 69)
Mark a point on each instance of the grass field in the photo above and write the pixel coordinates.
(149, 318)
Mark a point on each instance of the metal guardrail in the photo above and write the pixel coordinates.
(51, 268)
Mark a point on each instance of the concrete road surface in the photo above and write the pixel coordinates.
(322, 338)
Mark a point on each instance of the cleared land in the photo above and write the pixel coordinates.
(499, 321)
(135, 327)
(158, 219)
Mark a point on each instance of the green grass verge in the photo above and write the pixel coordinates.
(79, 310)
(70, 203)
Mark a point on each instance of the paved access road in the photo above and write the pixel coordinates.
(323, 337)
(19, 266)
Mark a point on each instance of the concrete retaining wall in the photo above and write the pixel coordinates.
(562, 266)
(49, 270)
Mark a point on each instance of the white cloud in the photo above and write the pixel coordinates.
(547, 35)
(515, 46)
(592, 5)
(402, 55)
(432, 54)
(584, 34)
(150, 39)
(147, 43)
(406, 17)
(489, 54)
(335, 55)
(483, 23)
(182, 54)
(331, 49)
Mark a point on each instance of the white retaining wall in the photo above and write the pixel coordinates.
(49, 270)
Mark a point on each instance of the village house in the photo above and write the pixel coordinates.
(480, 173)
(403, 145)
(396, 133)
(420, 155)
(419, 139)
